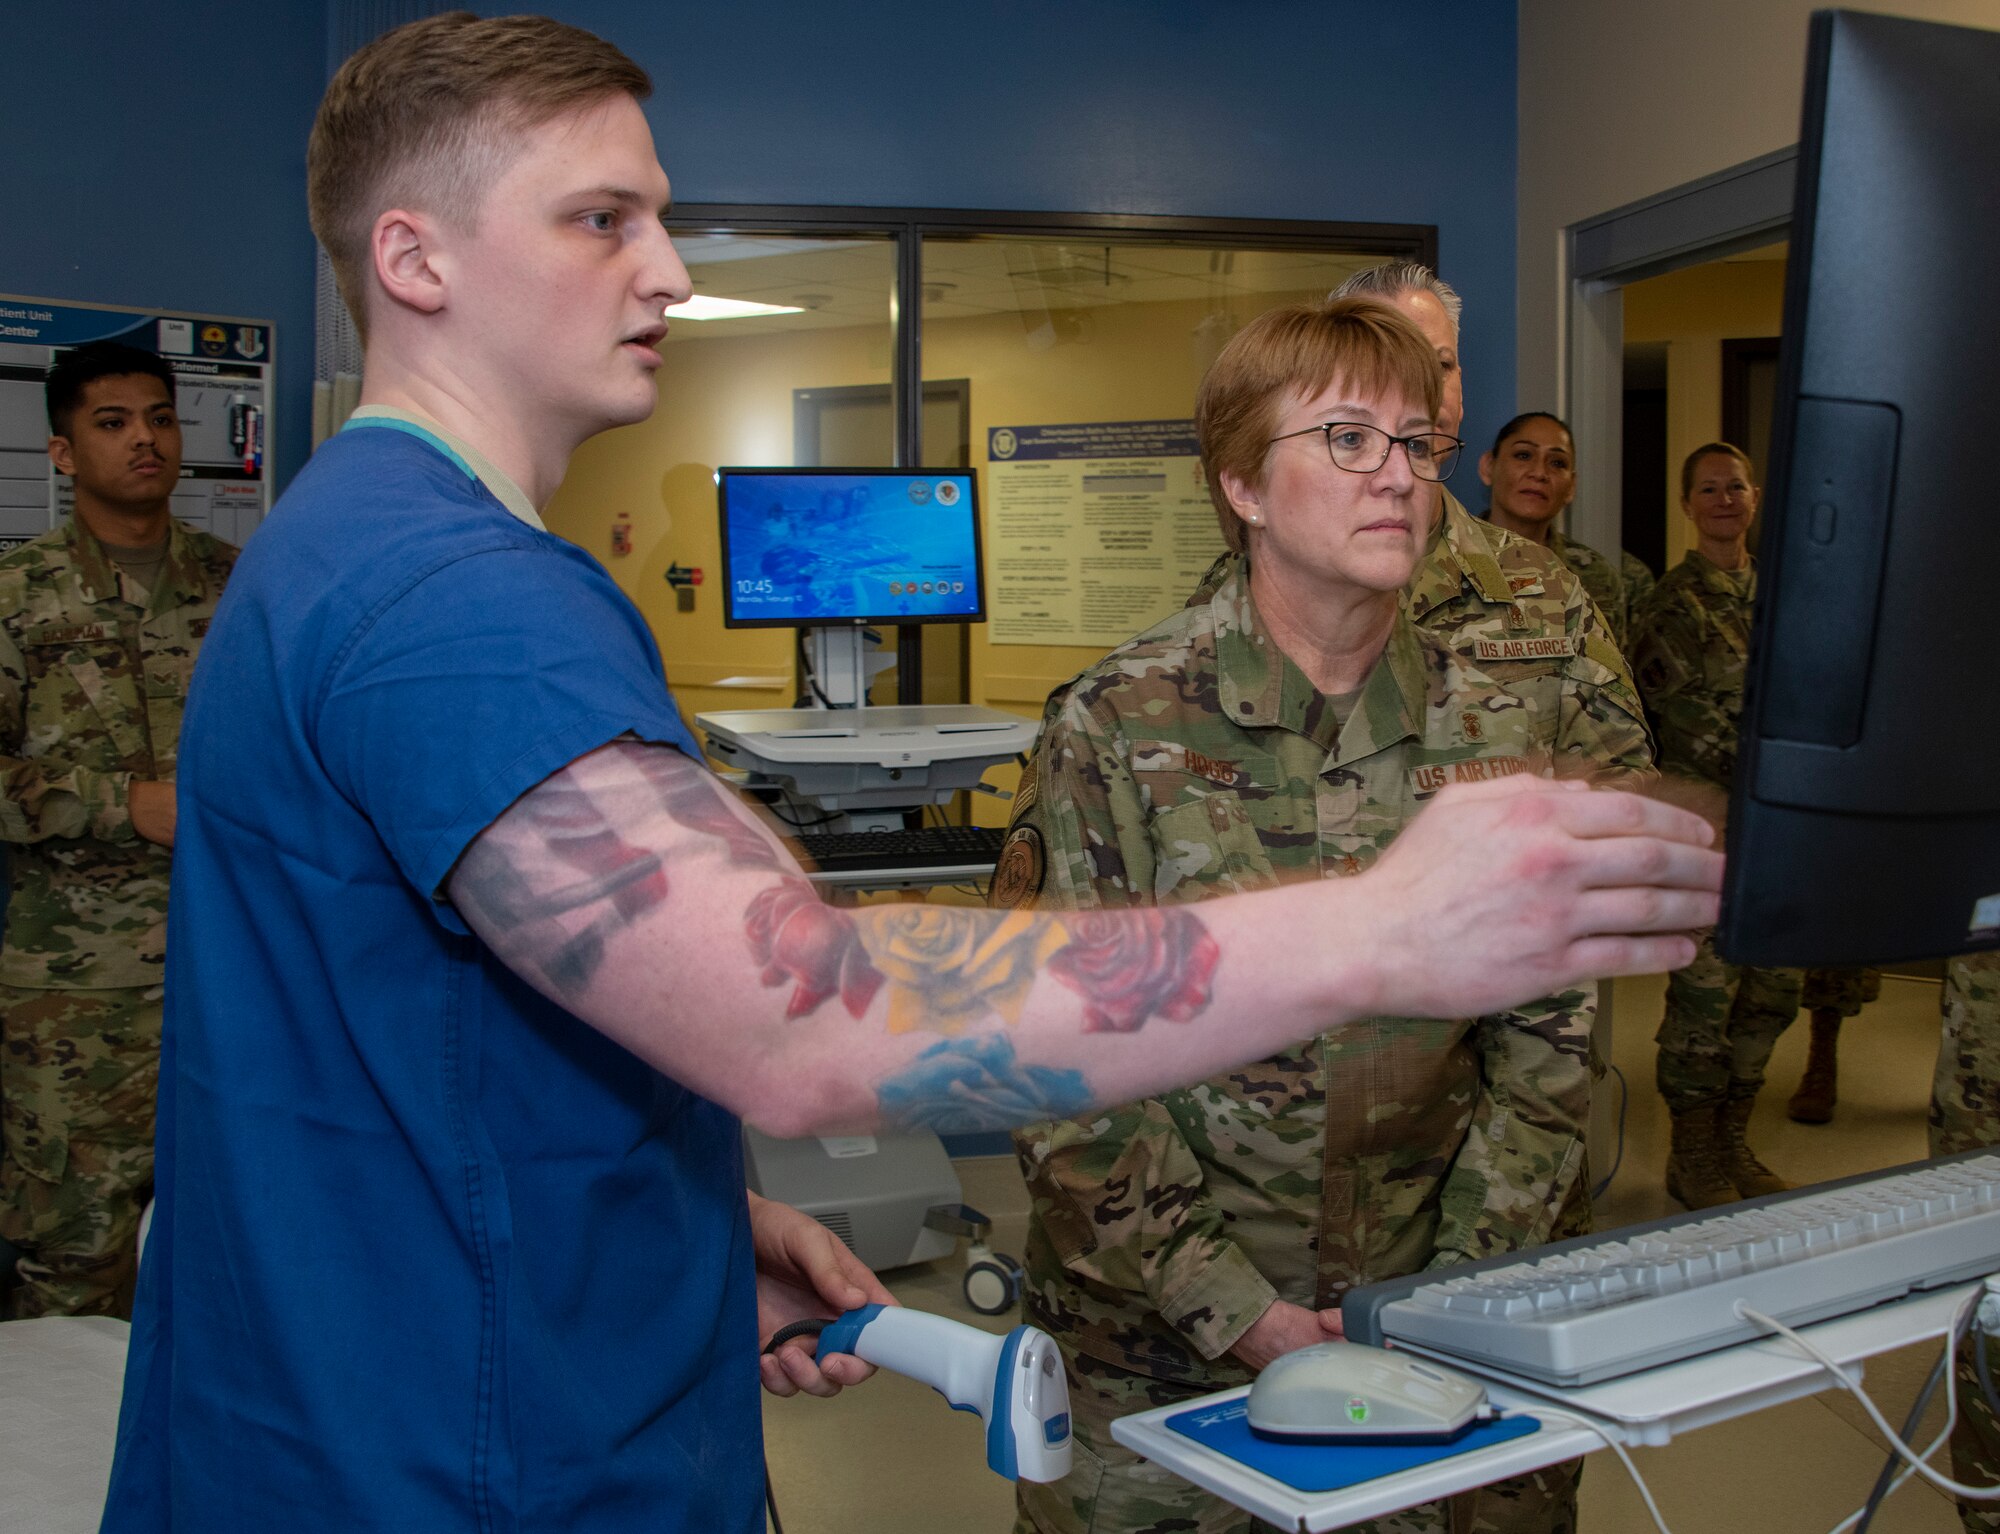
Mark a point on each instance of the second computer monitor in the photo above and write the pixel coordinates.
(814, 548)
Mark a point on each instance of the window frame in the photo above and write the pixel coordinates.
(907, 229)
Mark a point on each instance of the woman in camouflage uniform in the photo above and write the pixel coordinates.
(1690, 643)
(1285, 728)
(1531, 476)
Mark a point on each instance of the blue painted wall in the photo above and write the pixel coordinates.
(154, 155)
(1317, 109)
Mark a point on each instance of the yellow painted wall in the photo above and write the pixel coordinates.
(728, 400)
(1694, 311)
(722, 401)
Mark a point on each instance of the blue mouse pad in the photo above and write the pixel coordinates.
(1329, 1466)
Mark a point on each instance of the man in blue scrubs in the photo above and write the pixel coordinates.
(475, 968)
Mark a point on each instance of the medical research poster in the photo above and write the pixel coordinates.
(1095, 530)
(223, 377)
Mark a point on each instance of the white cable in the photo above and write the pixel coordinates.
(1952, 1338)
(1618, 1448)
(1811, 1350)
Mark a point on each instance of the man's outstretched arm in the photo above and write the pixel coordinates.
(637, 891)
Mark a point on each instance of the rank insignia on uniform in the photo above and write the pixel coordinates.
(1017, 877)
(1028, 789)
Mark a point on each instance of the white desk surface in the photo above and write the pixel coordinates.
(60, 1380)
(1645, 1408)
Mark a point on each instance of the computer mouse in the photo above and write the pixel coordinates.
(1349, 1391)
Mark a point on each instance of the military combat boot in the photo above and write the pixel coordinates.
(1695, 1173)
(1739, 1162)
(1814, 1100)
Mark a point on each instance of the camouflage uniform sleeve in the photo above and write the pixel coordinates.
(44, 796)
(1603, 724)
(1695, 732)
(1965, 1094)
(1121, 1197)
(1639, 584)
(1522, 1158)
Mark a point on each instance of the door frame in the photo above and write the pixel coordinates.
(1737, 209)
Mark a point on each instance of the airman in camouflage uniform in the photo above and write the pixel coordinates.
(1198, 759)
(94, 671)
(1965, 1115)
(1513, 611)
(1618, 590)
(1722, 1020)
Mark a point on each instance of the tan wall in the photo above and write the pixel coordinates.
(1694, 312)
(1622, 99)
(730, 401)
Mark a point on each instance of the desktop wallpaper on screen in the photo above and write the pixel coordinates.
(812, 548)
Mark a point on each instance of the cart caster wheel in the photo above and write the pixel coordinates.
(993, 1284)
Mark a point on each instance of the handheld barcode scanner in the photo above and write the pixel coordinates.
(1014, 1382)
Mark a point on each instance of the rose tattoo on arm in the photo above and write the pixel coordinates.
(949, 969)
(796, 936)
(1128, 970)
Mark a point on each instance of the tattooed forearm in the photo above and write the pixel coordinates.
(597, 847)
(949, 969)
(962, 1086)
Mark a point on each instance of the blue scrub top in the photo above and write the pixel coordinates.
(429, 1253)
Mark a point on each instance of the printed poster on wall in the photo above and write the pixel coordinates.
(1095, 530)
(222, 385)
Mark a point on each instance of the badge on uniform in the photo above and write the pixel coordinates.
(1427, 780)
(1017, 877)
(1542, 647)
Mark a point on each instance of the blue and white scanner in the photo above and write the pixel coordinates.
(1014, 1382)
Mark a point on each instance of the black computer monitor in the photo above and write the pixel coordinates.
(1865, 815)
(815, 548)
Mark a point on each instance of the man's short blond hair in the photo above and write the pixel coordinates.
(428, 116)
(1295, 353)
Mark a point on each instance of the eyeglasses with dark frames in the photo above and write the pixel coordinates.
(1362, 449)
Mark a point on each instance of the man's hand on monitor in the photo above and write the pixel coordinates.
(1523, 887)
(1708, 800)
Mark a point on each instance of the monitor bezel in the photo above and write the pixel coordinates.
(881, 620)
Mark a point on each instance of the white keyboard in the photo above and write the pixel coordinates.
(1576, 1312)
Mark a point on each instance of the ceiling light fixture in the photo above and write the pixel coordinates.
(703, 307)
